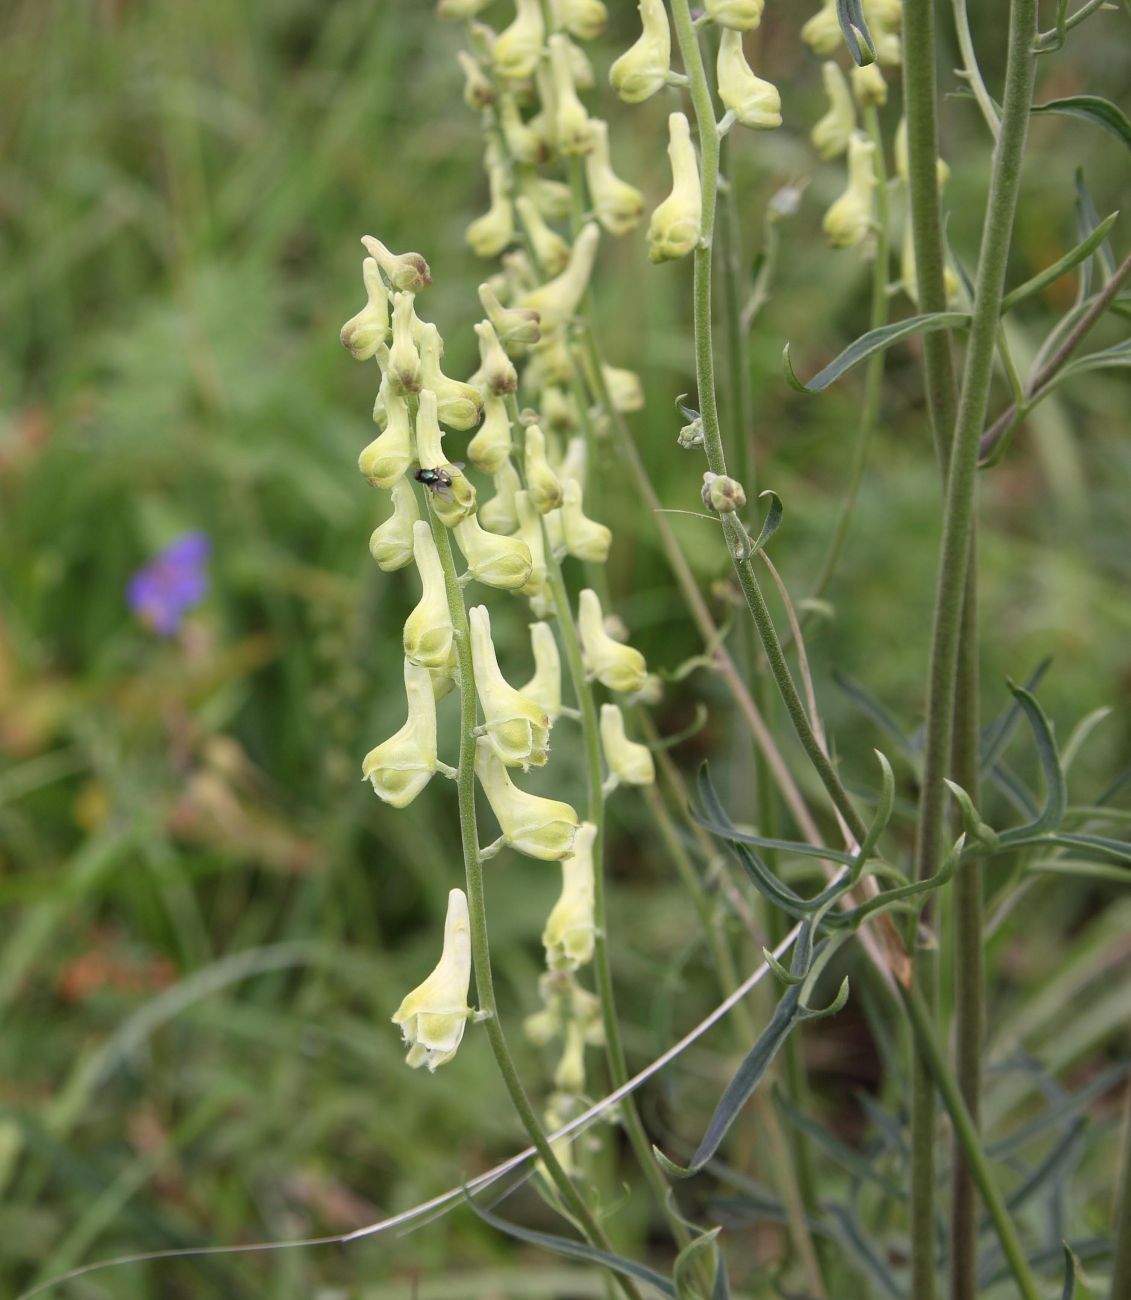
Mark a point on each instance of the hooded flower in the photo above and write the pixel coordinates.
(676, 224)
(518, 48)
(584, 538)
(402, 270)
(366, 331)
(530, 530)
(401, 767)
(584, 19)
(545, 687)
(617, 205)
(391, 542)
(557, 301)
(540, 828)
(754, 102)
(495, 367)
(542, 486)
(493, 559)
(626, 392)
(491, 446)
(822, 32)
(489, 234)
(551, 250)
(570, 927)
(500, 514)
(434, 1015)
(627, 760)
(458, 405)
(386, 458)
(643, 68)
(517, 728)
(619, 667)
(403, 371)
(831, 134)
(428, 629)
(849, 220)
(571, 121)
(516, 327)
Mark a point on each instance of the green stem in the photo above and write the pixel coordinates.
(477, 909)
(953, 648)
(874, 375)
(967, 1133)
(708, 408)
(922, 1114)
(919, 107)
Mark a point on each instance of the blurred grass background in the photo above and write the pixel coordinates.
(207, 919)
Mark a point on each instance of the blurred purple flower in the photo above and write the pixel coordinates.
(162, 591)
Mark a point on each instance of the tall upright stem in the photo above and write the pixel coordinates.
(952, 649)
(477, 909)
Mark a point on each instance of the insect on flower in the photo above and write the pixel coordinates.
(438, 481)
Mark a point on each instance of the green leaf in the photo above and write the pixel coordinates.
(856, 1164)
(1087, 219)
(773, 520)
(975, 828)
(1071, 1264)
(1092, 108)
(1056, 789)
(874, 341)
(997, 733)
(854, 29)
(1051, 274)
(1116, 356)
(873, 709)
(578, 1250)
(698, 1258)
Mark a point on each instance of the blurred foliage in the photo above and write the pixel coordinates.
(207, 918)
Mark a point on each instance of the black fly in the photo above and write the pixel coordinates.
(439, 480)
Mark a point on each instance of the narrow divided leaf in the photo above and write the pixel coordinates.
(772, 523)
(874, 341)
(697, 1259)
(1092, 108)
(1070, 260)
(1056, 789)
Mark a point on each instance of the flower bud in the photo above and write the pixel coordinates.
(545, 687)
(617, 205)
(404, 271)
(364, 333)
(391, 542)
(492, 559)
(677, 223)
(868, 86)
(643, 68)
(830, 135)
(477, 90)
(530, 530)
(457, 405)
(849, 220)
(722, 494)
(692, 435)
(822, 32)
(519, 46)
(540, 828)
(570, 928)
(489, 234)
(492, 443)
(569, 1077)
(584, 538)
(552, 198)
(387, 457)
(626, 392)
(627, 760)
(542, 486)
(738, 15)
(434, 1015)
(557, 301)
(500, 514)
(619, 667)
(404, 360)
(517, 728)
(516, 327)
(551, 250)
(584, 19)
(571, 123)
(754, 102)
(401, 767)
(428, 629)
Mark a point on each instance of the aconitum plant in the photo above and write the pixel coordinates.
(487, 481)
